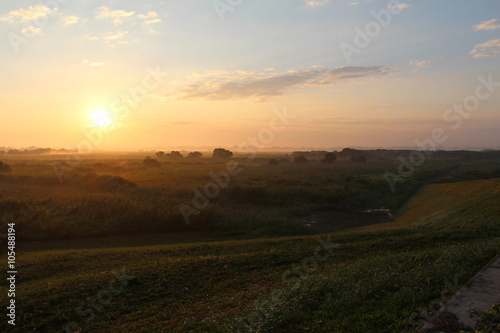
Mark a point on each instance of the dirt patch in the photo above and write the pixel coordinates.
(334, 221)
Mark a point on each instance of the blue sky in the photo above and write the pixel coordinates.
(228, 70)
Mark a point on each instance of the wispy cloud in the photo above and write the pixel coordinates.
(486, 49)
(400, 6)
(231, 86)
(317, 3)
(118, 16)
(149, 15)
(70, 20)
(420, 63)
(93, 63)
(487, 25)
(114, 35)
(29, 14)
(31, 30)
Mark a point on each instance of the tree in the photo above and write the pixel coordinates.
(358, 159)
(151, 162)
(174, 155)
(194, 154)
(4, 167)
(300, 160)
(272, 161)
(329, 158)
(160, 154)
(222, 153)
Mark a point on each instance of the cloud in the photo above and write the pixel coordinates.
(32, 30)
(118, 16)
(486, 49)
(487, 25)
(400, 6)
(69, 20)
(93, 64)
(114, 35)
(152, 21)
(150, 18)
(113, 38)
(317, 3)
(260, 86)
(24, 15)
(419, 64)
(149, 15)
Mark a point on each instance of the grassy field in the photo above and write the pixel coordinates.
(107, 249)
(371, 281)
(110, 195)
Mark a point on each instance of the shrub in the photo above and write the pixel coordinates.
(151, 162)
(195, 154)
(358, 159)
(329, 158)
(4, 167)
(174, 155)
(300, 159)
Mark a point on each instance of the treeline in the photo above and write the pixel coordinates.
(34, 151)
(393, 154)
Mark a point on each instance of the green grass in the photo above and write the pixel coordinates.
(373, 281)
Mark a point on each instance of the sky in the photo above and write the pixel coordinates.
(354, 73)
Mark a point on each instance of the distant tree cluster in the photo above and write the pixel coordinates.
(33, 151)
(195, 155)
(222, 153)
(176, 155)
(173, 155)
(329, 158)
(300, 159)
(4, 167)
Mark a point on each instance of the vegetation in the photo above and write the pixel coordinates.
(222, 271)
(329, 158)
(222, 153)
(369, 281)
(4, 167)
(151, 162)
(300, 160)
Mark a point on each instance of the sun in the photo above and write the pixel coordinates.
(100, 118)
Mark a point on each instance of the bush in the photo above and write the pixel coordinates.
(329, 158)
(4, 167)
(151, 162)
(272, 161)
(195, 154)
(174, 155)
(300, 159)
(358, 159)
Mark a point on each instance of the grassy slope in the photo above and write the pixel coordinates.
(373, 282)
